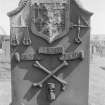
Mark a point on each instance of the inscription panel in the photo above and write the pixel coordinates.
(72, 56)
(51, 50)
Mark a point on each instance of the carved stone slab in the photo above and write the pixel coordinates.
(43, 36)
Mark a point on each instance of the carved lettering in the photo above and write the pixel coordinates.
(51, 50)
(72, 56)
(29, 57)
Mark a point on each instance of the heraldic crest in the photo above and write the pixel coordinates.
(50, 19)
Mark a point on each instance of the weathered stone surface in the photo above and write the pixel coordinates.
(47, 23)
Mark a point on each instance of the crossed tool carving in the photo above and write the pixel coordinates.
(51, 74)
(79, 27)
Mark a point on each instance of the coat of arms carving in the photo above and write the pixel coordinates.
(50, 19)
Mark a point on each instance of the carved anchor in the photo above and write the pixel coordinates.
(51, 74)
(79, 26)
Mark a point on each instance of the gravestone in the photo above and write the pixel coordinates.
(49, 53)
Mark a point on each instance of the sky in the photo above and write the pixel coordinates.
(95, 6)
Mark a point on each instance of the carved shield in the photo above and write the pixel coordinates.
(50, 20)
